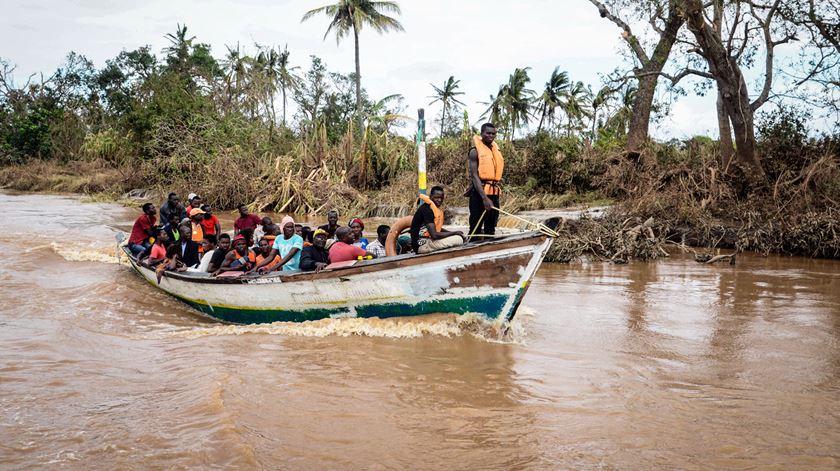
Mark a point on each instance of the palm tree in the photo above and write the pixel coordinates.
(600, 99)
(576, 106)
(552, 96)
(286, 78)
(496, 108)
(518, 99)
(178, 52)
(352, 15)
(446, 96)
(235, 66)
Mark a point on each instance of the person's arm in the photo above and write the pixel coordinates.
(285, 259)
(229, 258)
(435, 235)
(476, 182)
(212, 268)
(268, 259)
(218, 227)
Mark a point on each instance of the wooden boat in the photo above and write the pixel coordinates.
(488, 278)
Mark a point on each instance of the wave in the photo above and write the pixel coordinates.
(85, 253)
(436, 325)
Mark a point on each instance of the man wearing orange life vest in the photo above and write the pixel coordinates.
(430, 216)
(486, 168)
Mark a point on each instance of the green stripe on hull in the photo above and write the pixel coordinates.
(490, 306)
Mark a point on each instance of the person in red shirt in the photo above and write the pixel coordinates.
(210, 223)
(158, 254)
(343, 250)
(245, 224)
(138, 241)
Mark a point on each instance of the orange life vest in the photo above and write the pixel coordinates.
(491, 164)
(198, 236)
(435, 210)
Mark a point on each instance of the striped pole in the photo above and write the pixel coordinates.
(421, 152)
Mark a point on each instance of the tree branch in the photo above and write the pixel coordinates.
(631, 39)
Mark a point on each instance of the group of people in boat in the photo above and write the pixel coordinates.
(189, 237)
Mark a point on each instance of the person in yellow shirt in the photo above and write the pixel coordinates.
(486, 170)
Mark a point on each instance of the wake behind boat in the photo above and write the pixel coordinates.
(488, 278)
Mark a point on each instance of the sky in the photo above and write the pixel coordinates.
(479, 42)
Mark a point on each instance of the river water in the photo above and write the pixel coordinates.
(669, 364)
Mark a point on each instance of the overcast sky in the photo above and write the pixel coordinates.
(480, 42)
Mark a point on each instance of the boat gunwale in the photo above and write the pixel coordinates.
(368, 266)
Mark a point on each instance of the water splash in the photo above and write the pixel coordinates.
(436, 325)
(86, 253)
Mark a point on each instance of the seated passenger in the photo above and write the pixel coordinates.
(210, 223)
(193, 201)
(219, 254)
(358, 227)
(171, 227)
(209, 246)
(343, 249)
(241, 258)
(172, 206)
(264, 250)
(331, 225)
(143, 228)
(196, 217)
(288, 246)
(377, 247)
(430, 216)
(158, 254)
(186, 248)
(262, 229)
(245, 224)
(315, 257)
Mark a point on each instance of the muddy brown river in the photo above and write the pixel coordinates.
(665, 365)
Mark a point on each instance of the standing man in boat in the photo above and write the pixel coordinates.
(486, 169)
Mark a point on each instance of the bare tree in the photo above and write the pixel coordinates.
(666, 22)
(724, 56)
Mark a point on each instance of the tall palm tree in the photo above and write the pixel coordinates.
(576, 106)
(178, 51)
(600, 100)
(353, 15)
(235, 67)
(446, 96)
(495, 111)
(286, 78)
(518, 100)
(552, 96)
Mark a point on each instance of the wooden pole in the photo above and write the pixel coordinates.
(421, 152)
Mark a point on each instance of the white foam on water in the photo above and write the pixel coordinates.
(87, 253)
(436, 325)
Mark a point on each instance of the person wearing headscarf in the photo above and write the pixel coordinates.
(358, 227)
(288, 246)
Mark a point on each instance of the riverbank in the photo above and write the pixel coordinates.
(684, 197)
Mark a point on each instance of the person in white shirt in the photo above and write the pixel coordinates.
(377, 247)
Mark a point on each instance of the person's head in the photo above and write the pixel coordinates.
(332, 217)
(382, 233)
(306, 233)
(265, 222)
(240, 244)
(209, 242)
(161, 237)
(195, 201)
(174, 219)
(207, 210)
(186, 232)
(345, 234)
(287, 225)
(196, 215)
(319, 238)
(358, 227)
(149, 209)
(224, 242)
(271, 229)
(174, 199)
(243, 210)
(437, 195)
(299, 229)
(488, 133)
